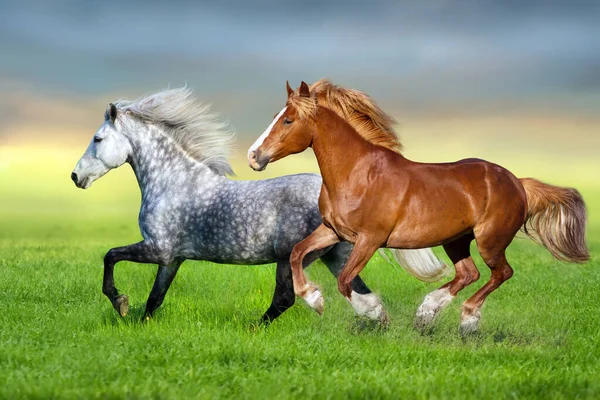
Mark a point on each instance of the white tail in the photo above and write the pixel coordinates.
(421, 263)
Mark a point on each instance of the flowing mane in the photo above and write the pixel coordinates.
(356, 107)
(200, 133)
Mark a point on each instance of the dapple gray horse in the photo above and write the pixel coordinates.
(191, 210)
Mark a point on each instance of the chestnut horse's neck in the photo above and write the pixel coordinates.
(338, 147)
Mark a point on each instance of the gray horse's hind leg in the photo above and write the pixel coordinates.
(139, 252)
(164, 278)
(364, 302)
(336, 258)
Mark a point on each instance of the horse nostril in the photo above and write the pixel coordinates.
(74, 177)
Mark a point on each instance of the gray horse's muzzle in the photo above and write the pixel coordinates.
(80, 183)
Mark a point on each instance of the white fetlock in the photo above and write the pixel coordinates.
(368, 305)
(315, 300)
(433, 303)
(469, 323)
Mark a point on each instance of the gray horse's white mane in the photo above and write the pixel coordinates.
(200, 133)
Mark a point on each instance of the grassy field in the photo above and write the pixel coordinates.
(60, 338)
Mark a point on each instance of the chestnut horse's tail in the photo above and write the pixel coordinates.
(556, 219)
(421, 263)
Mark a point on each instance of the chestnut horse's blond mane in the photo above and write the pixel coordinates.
(354, 106)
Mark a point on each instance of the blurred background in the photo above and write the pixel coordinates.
(517, 83)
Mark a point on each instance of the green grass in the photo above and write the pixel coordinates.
(60, 337)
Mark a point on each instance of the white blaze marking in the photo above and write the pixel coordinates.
(265, 134)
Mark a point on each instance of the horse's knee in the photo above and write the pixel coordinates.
(109, 258)
(296, 256)
(345, 287)
(472, 276)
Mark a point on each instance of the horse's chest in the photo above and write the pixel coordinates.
(160, 223)
(349, 214)
(341, 220)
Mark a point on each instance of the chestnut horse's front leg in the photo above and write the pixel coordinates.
(322, 237)
(140, 252)
(361, 254)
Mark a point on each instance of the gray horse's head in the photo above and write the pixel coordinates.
(175, 114)
(109, 149)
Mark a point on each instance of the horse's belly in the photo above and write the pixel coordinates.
(421, 238)
(431, 227)
(229, 253)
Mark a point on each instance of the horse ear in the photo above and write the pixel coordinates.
(289, 89)
(304, 91)
(112, 112)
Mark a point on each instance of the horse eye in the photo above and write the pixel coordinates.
(287, 121)
(97, 139)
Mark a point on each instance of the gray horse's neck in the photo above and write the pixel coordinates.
(160, 165)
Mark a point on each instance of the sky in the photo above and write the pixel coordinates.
(421, 60)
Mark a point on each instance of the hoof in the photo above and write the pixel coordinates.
(433, 303)
(424, 319)
(369, 306)
(121, 304)
(315, 300)
(469, 325)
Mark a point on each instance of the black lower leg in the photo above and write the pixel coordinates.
(164, 278)
(284, 297)
(139, 252)
(108, 282)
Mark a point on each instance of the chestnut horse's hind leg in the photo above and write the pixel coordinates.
(471, 310)
(164, 278)
(138, 252)
(466, 273)
(321, 237)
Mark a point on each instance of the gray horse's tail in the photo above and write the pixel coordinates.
(421, 263)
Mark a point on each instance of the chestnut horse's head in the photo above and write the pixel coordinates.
(290, 132)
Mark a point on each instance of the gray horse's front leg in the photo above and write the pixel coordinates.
(164, 277)
(284, 296)
(140, 252)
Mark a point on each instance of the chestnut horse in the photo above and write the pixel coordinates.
(374, 197)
